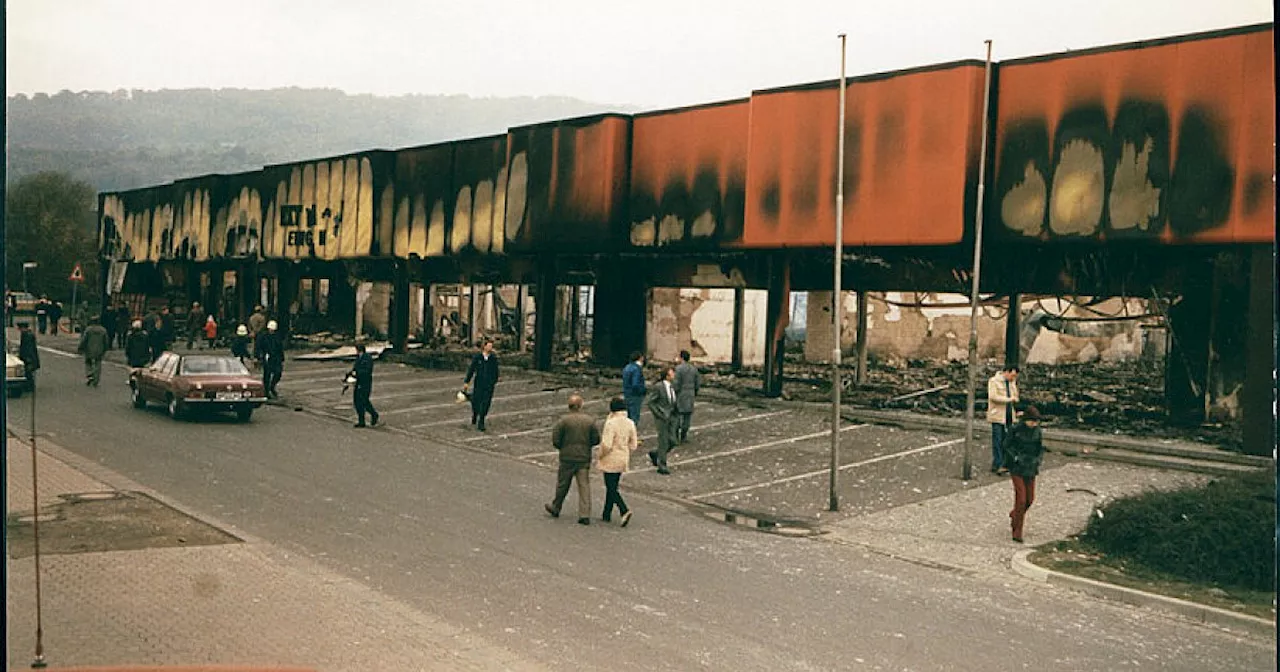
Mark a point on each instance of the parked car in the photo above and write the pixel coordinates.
(15, 376)
(26, 302)
(215, 383)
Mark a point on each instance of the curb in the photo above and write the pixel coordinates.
(1200, 613)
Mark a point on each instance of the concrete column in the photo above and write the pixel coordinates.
(777, 314)
(399, 318)
(621, 312)
(1257, 397)
(544, 326)
(473, 319)
(1013, 331)
(287, 286)
(860, 375)
(520, 335)
(739, 299)
(575, 316)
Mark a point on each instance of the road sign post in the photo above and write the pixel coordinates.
(77, 276)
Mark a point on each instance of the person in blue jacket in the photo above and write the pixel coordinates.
(633, 390)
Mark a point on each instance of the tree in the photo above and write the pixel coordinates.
(50, 219)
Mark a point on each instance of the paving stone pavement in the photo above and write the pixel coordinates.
(245, 603)
(969, 530)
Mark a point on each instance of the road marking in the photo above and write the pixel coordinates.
(544, 409)
(419, 393)
(413, 409)
(747, 449)
(823, 472)
(337, 375)
(57, 352)
(654, 436)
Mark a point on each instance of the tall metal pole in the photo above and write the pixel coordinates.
(39, 661)
(834, 504)
(977, 271)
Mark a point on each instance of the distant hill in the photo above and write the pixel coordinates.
(128, 139)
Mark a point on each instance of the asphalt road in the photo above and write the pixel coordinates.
(462, 535)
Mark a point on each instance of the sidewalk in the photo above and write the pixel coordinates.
(246, 603)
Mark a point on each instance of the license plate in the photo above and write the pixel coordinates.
(227, 396)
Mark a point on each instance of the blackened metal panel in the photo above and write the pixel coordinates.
(479, 195)
(911, 157)
(1168, 142)
(422, 203)
(688, 176)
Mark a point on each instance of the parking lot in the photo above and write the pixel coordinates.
(760, 458)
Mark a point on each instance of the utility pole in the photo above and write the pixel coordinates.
(977, 272)
(838, 262)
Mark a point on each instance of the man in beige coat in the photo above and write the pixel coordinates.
(1002, 395)
(574, 435)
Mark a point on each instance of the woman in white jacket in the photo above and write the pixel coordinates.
(617, 441)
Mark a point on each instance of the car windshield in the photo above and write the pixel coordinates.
(226, 366)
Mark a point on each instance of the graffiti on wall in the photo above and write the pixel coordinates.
(1173, 141)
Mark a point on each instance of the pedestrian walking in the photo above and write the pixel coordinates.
(269, 350)
(42, 315)
(108, 320)
(662, 404)
(155, 339)
(210, 331)
(617, 442)
(688, 380)
(633, 390)
(195, 324)
(11, 307)
(93, 345)
(1023, 449)
(55, 317)
(167, 332)
(257, 321)
(28, 352)
(124, 320)
(484, 369)
(363, 374)
(1002, 395)
(240, 344)
(574, 435)
(137, 346)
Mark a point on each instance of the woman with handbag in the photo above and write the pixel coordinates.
(617, 442)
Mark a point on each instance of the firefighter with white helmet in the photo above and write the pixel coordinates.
(269, 351)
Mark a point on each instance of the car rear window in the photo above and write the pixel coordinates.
(194, 366)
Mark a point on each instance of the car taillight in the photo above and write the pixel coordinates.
(195, 394)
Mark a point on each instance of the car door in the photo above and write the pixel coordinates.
(168, 374)
(150, 377)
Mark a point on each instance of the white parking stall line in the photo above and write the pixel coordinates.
(761, 446)
(418, 393)
(823, 472)
(507, 414)
(646, 437)
(67, 354)
(414, 409)
(336, 375)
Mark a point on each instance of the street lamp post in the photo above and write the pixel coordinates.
(977, 271)
(838, 262)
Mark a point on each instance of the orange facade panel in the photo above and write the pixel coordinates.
(1170, 141)
(911, 157)
(688, 176)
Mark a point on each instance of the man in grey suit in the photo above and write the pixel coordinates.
(662, 404)
(687, 382)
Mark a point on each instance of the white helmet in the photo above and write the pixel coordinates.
(242, 330)
(137, 324)
(271, 325)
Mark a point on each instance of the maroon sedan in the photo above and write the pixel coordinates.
(198, 382)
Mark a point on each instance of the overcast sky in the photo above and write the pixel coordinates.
(654, 53)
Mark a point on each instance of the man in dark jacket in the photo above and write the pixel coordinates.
(137, 349)
(155, 337)
(42, 315)
(687, 384)
(363, 373)
(108, 321)
(269, 350)
(240, 343)
(484, 368)
(574, 435)
(28, 352)
(1023, 448)
(633, 386)
(167, 332)
(93, 345)
(662, 404)
(124, 319)
(55, 317)
(195, 324)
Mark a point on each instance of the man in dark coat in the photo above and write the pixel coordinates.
(195, 324)
(167, 333)
(28, 352)
(155, 336)
(574, 435)
(55, 316)
(93, 345)
(11, 306)
(124, 320)
(240, 343)
(633, 390)
(42, 315)
(269, 350)
(484, 368)
(687, 383)
(137, 348)
(662, 404)
(108, 319)
(363, 373)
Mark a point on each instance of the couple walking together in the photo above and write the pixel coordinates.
(576, 437)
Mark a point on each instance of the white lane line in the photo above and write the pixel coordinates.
(747, 449)
(823, 472)
(308, 382)
(419, 393)
(414, 409)
(543, 409)
(646, 437)
(69, 354)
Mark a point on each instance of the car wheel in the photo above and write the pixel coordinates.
(244, 413)
(139, 401)
(175, 408)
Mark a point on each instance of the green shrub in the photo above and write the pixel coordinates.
(1221, 533)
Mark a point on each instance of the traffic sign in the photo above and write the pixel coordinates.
(77, 275)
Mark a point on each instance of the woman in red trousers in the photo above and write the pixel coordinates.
(1023, 448)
